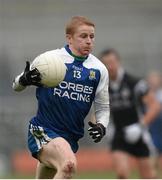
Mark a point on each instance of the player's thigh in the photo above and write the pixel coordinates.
(56, 153)
(121, 162)
(44, 172)
(146, 167)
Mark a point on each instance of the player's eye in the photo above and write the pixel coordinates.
(92, 36)
(83, 36)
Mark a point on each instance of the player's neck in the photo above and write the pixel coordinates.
(76, 57)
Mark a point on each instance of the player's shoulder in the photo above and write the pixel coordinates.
(142, 84)
(94, 62)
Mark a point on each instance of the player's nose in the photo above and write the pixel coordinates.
(88, 40)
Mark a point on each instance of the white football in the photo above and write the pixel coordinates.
(51, 67)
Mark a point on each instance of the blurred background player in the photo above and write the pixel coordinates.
(154, 79)
(132, 107)
(59, 123)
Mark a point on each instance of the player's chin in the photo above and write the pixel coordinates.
(86, 52)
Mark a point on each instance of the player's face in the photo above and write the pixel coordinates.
(154, 80)
(82, 41)
(111, 61)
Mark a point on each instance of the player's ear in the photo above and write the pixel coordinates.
(68, 38)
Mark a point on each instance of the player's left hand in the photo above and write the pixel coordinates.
(96, 131)
(133, 132)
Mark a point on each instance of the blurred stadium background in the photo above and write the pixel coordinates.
(28, 28)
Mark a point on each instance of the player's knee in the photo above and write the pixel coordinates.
(68, 169)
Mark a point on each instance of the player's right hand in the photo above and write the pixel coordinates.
(30, 77)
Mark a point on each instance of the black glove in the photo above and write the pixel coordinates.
(96, 131)
(30, 77)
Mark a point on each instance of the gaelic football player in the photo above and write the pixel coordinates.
(59, 123)
(133, 107)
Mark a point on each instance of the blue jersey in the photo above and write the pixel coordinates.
(156, 125)
(64, 108)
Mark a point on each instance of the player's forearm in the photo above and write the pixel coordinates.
(102, 107)
(102, 112)
(152, 111)
(101, 102)
(16, 85)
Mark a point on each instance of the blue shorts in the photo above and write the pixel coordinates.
(156, 132)
(38, 136)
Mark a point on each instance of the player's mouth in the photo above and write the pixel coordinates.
(87, 50)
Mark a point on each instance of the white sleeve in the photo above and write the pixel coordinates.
(16, 85)
(101, 102)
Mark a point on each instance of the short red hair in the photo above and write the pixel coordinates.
(75, 22)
